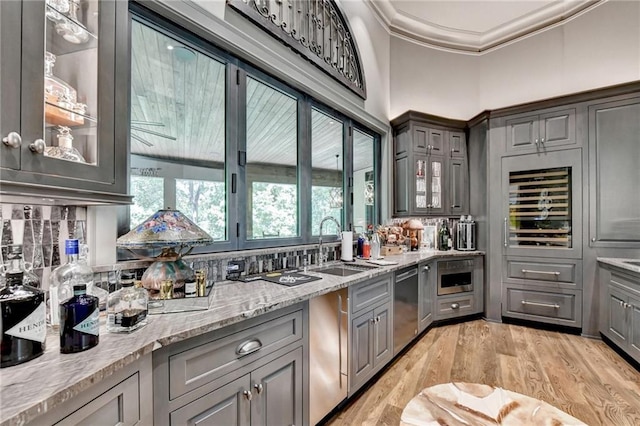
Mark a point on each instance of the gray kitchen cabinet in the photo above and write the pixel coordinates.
(620, 313)
(426, 293)
(430, 166)
(383, 335)
(83, 101)
(120, 399)
(452, 273)
(614, 150)
(541, 131)
(249, 373)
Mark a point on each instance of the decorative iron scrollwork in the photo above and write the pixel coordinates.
(317, 29)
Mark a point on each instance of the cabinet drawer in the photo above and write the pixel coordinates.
(369, 293)
(202, 364)
(455, 306)
(627, 282)
(542, 304)
(542, 271)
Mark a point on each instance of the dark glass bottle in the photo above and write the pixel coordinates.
(79, 321)
(443, 236)
(22, 320)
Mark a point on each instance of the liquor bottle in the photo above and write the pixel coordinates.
(29, 277)
(443, 236)
(22, 318)
(79, 321)
(127, 307)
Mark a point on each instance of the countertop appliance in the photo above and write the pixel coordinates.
(466, 234)
(405, 307)
(328, 350)
(455, 276)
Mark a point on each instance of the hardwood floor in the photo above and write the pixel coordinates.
(584, 377)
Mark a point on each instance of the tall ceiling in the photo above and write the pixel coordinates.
(474, 25)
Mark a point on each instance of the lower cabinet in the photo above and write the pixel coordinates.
(269, 395)
(121, 399)
(426, 293)
(371, 344)
(620, 320)
(249, 373)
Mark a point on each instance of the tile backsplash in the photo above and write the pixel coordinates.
(42, 231)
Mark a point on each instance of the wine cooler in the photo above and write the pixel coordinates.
(542, 196)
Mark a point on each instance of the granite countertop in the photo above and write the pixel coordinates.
(622, 263)
(37, 386)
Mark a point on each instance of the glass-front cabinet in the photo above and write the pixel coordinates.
(428, 184)
(539, 198)
(60, 134)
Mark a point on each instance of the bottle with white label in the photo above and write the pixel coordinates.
(79, 321)
(22, 307)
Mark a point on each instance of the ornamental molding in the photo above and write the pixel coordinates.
(318, 30)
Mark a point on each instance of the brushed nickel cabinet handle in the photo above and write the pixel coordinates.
(531, 271)
(248, 347)
(247, 395)
(37, 146)
(12, 140)
(543, 305)
(505, 232)
(426, 268)
(258, 387)
(455, 306)
(541, 141)
(593, 240)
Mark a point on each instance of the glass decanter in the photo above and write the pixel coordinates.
(56, 8)
(57, 91)
(65, 149)
(70, 29)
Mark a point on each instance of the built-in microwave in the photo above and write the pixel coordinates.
(455, 276)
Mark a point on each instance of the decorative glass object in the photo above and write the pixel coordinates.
(56, 9)
(65, 149)
(173, 232)
(70, 29)
(57, 91)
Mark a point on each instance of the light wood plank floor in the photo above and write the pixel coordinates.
(583, 377)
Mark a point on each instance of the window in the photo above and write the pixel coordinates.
(252, 161)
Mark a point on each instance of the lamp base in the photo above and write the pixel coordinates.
(168, 266)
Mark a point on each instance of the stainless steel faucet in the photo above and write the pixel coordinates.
(320, 248)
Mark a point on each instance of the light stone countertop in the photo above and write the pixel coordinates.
(29, 390)
(621, 263)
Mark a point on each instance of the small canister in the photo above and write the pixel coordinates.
(201, 282)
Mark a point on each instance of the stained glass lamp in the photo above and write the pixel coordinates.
(176, 235)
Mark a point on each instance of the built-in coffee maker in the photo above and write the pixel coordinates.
(466, 234)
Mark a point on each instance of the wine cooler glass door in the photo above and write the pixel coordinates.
(542, 204)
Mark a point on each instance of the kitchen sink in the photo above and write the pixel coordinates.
(632, 262)
(344, 270)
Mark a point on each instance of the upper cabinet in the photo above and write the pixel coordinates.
(64, 113)
(542, 132)
(430, 166)
(614, 153)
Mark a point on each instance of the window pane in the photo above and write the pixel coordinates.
(363, 181)
(178, 126)
(204, 203)
(272, 163)
(147, 196)
(326, 171)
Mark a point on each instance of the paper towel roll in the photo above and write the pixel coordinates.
(347, 246)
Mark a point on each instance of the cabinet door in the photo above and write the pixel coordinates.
(458, 186)
(361, 348)
(557, 128)
(426, 292)
(522, 133)
(436, 141)
(403, 186)
(617, 326)
(420, 139)
(10, 30)
(419, 187)
(457, 145)
(227, 406)
(542, 205)
(614, 198)
(277, 391)
(383, 335)
(435, 184)
(634, 330)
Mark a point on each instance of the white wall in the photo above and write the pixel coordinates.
(597, 49)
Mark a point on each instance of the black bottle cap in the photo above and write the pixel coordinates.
(127, 278)
(82, 288)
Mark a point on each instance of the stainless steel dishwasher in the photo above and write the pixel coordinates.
(405, 307)
(328, 328)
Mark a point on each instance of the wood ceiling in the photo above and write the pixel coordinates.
(178, 111)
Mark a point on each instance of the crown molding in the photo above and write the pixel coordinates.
(422, 31)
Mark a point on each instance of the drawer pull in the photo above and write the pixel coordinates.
(248, 347)
(544, 305)
(455, 306)
(531, 271)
